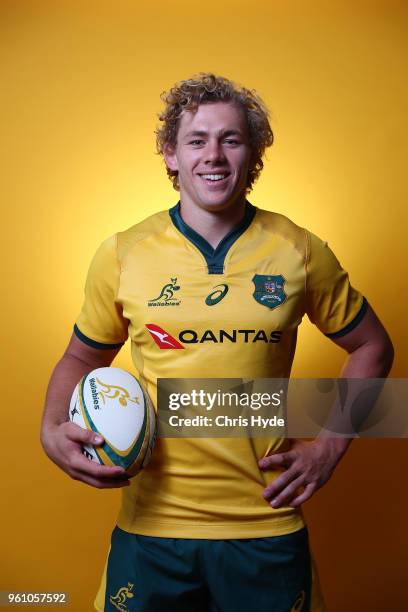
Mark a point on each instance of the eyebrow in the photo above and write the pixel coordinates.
(220, 133)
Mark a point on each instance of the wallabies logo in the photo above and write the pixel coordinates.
(166, 295)
(119, 600)
(115, 391)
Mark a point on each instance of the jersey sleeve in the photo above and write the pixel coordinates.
(332, 304)
(101, 323)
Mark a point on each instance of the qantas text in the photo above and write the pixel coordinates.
(190, 336)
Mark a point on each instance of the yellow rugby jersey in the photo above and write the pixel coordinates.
(192, 311)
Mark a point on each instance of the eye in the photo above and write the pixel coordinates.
(232, 141)
(197, 142)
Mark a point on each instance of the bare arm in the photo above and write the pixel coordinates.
(370, 356)
(308, 465)
(61, 439)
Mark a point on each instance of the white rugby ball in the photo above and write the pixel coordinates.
(112, 403)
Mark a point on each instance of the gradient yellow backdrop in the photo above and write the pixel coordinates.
(80, 86)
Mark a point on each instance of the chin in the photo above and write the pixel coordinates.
(222, 203)
(217, 206)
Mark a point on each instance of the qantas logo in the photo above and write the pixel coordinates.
(162, 338)
(190, 336)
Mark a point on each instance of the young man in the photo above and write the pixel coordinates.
(212, 524)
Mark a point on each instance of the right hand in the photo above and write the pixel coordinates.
(63, 445)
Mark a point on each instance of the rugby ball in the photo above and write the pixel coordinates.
(112, 403)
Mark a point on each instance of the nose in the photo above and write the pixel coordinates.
(214, 152)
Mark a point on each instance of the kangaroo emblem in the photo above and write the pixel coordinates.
(168, 291)
(116, 391)
(119, 600)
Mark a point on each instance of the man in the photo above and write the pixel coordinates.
(211, 524)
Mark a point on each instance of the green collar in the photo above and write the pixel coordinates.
(214, 257)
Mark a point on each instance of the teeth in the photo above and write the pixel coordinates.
(213, 177)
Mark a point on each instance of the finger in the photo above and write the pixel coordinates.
(288, 492)
(278, 460)
(79, 434)
(79, 463)
(304, 496)
(111, 483)
(280, 483)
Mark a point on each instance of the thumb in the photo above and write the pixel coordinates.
(86, 436)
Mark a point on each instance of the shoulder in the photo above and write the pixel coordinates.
(116, 246)
(303, 240)
(276, 224)
(151, 226)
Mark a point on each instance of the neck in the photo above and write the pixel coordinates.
(212, 225)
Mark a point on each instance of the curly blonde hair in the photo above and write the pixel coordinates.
(205, 88)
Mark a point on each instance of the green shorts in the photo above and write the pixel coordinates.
(150, 574)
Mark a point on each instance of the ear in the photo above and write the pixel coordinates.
(253, 159)
(170, 157)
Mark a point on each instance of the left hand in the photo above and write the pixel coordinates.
(307, 466)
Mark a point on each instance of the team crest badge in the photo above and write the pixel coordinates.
(269, 290)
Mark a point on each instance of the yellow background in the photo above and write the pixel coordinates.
(80, 86)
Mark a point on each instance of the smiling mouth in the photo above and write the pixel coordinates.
(214, 178)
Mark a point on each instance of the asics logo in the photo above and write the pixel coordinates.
(217, 295)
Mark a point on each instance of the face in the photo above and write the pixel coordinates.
(212, 156)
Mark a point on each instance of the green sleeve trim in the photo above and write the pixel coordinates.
(94, 343)
(353, 323)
